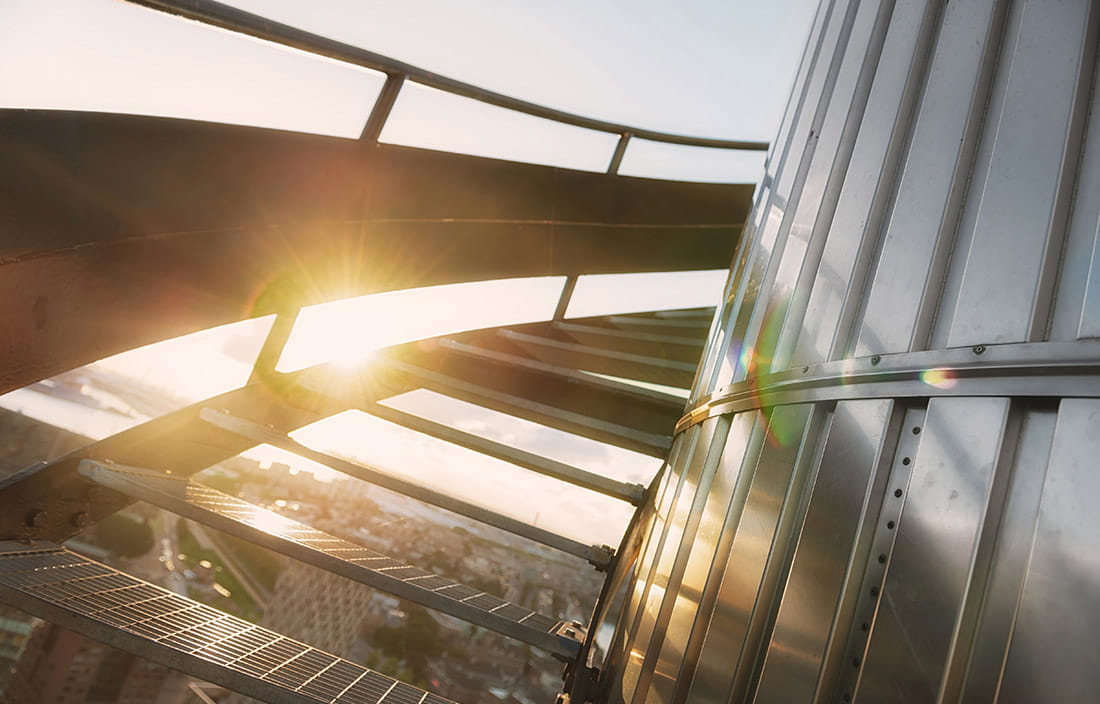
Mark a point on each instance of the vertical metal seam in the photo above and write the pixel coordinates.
(734, 509)
(749, 328)
(886, 191)
(792, 513)
(742, 262)
(624, 634)
(683, 553)
(981, 567)
(841, 630)
(1073, 156)
(823, 219)
(930, 308)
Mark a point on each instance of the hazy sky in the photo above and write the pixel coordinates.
(715, 68)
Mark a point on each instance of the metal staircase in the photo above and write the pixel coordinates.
(209, 247)
(552, 372)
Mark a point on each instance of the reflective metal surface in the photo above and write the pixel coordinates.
(903, 508)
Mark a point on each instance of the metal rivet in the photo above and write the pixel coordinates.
(906, 461)
(847, 697)
(876, 359)
(855, 662)
(865, 626)
(874, 591)
(897, 493)
(881, 559)
(978, 349)
(890, 525)
(916, 430)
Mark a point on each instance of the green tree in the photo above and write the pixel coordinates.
(124, 535)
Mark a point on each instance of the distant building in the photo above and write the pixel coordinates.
(315, 607)
(15, 632)
(61, 667)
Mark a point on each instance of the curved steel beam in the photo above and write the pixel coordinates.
(119, 231)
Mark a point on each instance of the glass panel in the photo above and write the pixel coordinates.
(681, 163)
(430, 118)
(104, 56)
(121, 391)
(714, 69)
(350, 330)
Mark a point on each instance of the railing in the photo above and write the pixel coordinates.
(397, 72)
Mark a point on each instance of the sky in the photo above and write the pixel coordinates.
(707, 68)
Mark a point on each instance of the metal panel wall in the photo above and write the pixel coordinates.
(881, 490)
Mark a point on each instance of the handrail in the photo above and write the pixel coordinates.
(221, 15)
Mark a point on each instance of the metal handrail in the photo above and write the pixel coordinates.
(236, 20)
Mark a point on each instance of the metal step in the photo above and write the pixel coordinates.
(599, 556)
(631, 493)
(685, 327)
(247, 521)
(606, 361)
(99, 602)
(589, 426)
(668, 347)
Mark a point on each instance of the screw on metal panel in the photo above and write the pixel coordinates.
(855, 662)
(36, 518)
(890, 525)
(978, 349)
(874, 591)
(916, 430)
(865, 626)
(876, 359)
(906, 461)
(847, 697)
(881, 559)
(897, 493)
(79, 520)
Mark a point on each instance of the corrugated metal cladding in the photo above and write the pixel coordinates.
(887, 490)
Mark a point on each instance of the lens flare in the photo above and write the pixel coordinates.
(940, 378)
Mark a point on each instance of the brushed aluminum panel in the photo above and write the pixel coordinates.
(1018, 223)
(867, 185)
(840, 499)
(1055, 650)
(665, 494)
(920, 225)
(669, 556)
(943, 509)
(768, 243)
(1076, 308)
(798, 266)
(1006, 576)
(706, 549)
(753, 530)
(1089, 325)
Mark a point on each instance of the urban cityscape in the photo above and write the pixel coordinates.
(42, 662)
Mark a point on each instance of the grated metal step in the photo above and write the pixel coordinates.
(227, 513)
(97, 601)
(599, 556)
